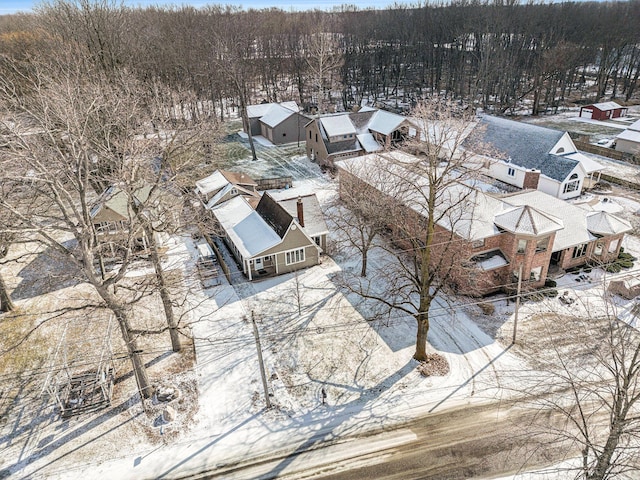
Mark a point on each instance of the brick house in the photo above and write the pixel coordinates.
(495, 235)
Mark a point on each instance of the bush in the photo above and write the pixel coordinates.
(548, 283)
(487, 308)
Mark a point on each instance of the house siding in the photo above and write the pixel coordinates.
(316, 149)
(293, 240)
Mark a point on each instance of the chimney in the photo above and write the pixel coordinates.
(300, 212)
(531, 178)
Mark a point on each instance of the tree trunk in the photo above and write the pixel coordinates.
(133, 350)
(139, 370)
(6, 304)
(363, 269)
(164, 291)
(421, 336)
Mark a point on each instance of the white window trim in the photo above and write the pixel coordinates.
(297, 255)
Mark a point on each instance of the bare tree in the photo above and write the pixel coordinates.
(324, 60)
(429, 208)
(70, 117)
(586, 370)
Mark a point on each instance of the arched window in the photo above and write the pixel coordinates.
(572, 184)
(560, 150)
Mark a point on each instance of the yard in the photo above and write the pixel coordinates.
(315, 338)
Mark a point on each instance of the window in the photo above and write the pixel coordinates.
(478, 243)
(579, 251)
(511, 172)
(598, 249)
(295, 256)
(309, 134)
(613, 246)
(316, 138)
(535, 273)
(560, 150)
(572, 185)
(284, 134)
(316, 240)
(542, 244)
(522, 245)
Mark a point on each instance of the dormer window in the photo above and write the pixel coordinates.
(234, 191)
(511, 172)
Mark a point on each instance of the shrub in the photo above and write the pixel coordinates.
(548, 283)
(487, 308)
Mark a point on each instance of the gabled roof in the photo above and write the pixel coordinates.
(226, 189)
(526, 220)
(314, 223)
(248, 231)
(338, 125)
(603, 223)
(274, 215)
(385, 122)
(220, 178)
(522, 144)
(607, 106)
(276, 115)
(261, 109)
(116, 200)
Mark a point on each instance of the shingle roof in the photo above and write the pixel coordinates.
(573, 217)
(276, 115)
(526, 220)
(385, 122)
(314, 223)
(523, 144)
(274, 215)
(245, 227)
(603, 223)
(261, 109)
(336, 125)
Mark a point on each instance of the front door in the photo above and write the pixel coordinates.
(258, 263)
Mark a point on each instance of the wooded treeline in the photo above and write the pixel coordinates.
(496, 54)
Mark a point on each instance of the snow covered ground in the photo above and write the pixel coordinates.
(314, 338)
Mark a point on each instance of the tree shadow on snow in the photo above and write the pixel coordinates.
(48, 272)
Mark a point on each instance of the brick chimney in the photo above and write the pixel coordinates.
(300, 212)
(531, 178)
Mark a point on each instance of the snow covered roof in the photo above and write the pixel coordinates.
(604, 223)
(276, 115)
(607, 106)
(629, 135)
(261, 109)
(635, 126)
(212, 183)
(385, 122)
(523, 144)
(338, 125)
(490, 260)
(572, 217)
(470, 212)
(587, 163)
(314, 223)
(116, 200)
(248, 231)
(526, 220)
(369, 144)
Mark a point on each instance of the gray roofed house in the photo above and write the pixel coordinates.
(349, 134)
(278, 122)
(530, 157)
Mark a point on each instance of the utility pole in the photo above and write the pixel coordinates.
(515, 315)
(262, 372)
